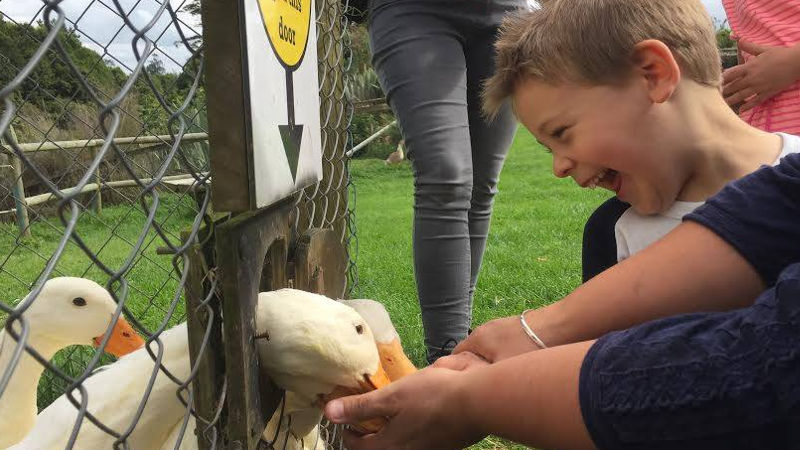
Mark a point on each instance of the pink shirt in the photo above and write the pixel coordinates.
(776, 23)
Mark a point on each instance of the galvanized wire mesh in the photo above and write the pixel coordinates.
(330, 204)
(104, 175)
(89, 204)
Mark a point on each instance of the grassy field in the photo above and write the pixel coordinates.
(533, 255)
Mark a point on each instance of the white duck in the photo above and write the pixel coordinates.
(390, 349)
(393, 360)
(68, 311)
(316, 349)
(114, 393)
(308, 344)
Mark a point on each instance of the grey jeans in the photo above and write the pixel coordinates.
(431, 57)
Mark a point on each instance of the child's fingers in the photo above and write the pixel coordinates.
(735, 86)
(734, 73)
(740, 96)
(755, 101)
(751, 47)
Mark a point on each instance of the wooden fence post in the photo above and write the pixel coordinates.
(97, 202)
(252, 252)
(18, 190)
(209, 382)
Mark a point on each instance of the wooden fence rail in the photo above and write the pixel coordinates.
(164, 139)
(44, 198)
(18, 189)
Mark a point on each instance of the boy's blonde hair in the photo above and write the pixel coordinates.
(591, 42)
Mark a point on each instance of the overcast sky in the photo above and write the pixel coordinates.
(103, 30)
(715, 8)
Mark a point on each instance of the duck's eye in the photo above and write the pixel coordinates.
(360, 329)
(79, 301)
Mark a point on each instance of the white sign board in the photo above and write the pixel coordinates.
(284, 97)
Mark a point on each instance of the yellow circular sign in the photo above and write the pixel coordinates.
(287, 23)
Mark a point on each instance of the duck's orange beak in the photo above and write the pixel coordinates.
(394, 360)
(368, 383)
(123, 339)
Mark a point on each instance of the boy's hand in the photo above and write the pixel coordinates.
(771, 71)
(424, 410)
(497, 340)
(462, 361)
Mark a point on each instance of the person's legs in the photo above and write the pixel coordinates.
(420, 62)
(490, 142)
(599, 241)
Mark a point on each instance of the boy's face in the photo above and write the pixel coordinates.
(605, 136)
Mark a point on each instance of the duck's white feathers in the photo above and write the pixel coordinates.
(114, 396)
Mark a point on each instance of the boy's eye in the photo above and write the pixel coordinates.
(545, 147)
(558, 132)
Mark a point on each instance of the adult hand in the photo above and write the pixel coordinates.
(424, 410)
(771, 71)
(497, 340)
(462, 361)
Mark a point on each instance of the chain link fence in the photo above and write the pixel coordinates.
(105, 176)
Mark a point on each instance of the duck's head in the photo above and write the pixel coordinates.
(390, 349)
(77, 311)
(316, 347)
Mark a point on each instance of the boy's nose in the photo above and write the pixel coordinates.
(562, 166)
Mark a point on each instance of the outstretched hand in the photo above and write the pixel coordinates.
(771, 71)
(497, 340)
(424, 410)
(461, 361)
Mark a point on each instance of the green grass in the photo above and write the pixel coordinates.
(533, 254)
(111, 236)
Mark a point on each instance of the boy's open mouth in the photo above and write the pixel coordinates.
(606, 179)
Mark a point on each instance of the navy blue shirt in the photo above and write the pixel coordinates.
(716, 380)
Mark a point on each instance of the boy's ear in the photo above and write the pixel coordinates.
(654, 61)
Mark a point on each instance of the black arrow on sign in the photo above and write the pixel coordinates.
(291, 134)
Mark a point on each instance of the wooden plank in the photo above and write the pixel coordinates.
(228, 131)
(248, 246)
(209, 380)
(320, 262)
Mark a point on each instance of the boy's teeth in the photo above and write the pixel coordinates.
(593, 183)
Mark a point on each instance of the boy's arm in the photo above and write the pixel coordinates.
(689, 270)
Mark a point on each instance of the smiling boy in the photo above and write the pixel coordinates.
(635, 110)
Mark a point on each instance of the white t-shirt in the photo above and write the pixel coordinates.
(634, 232)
